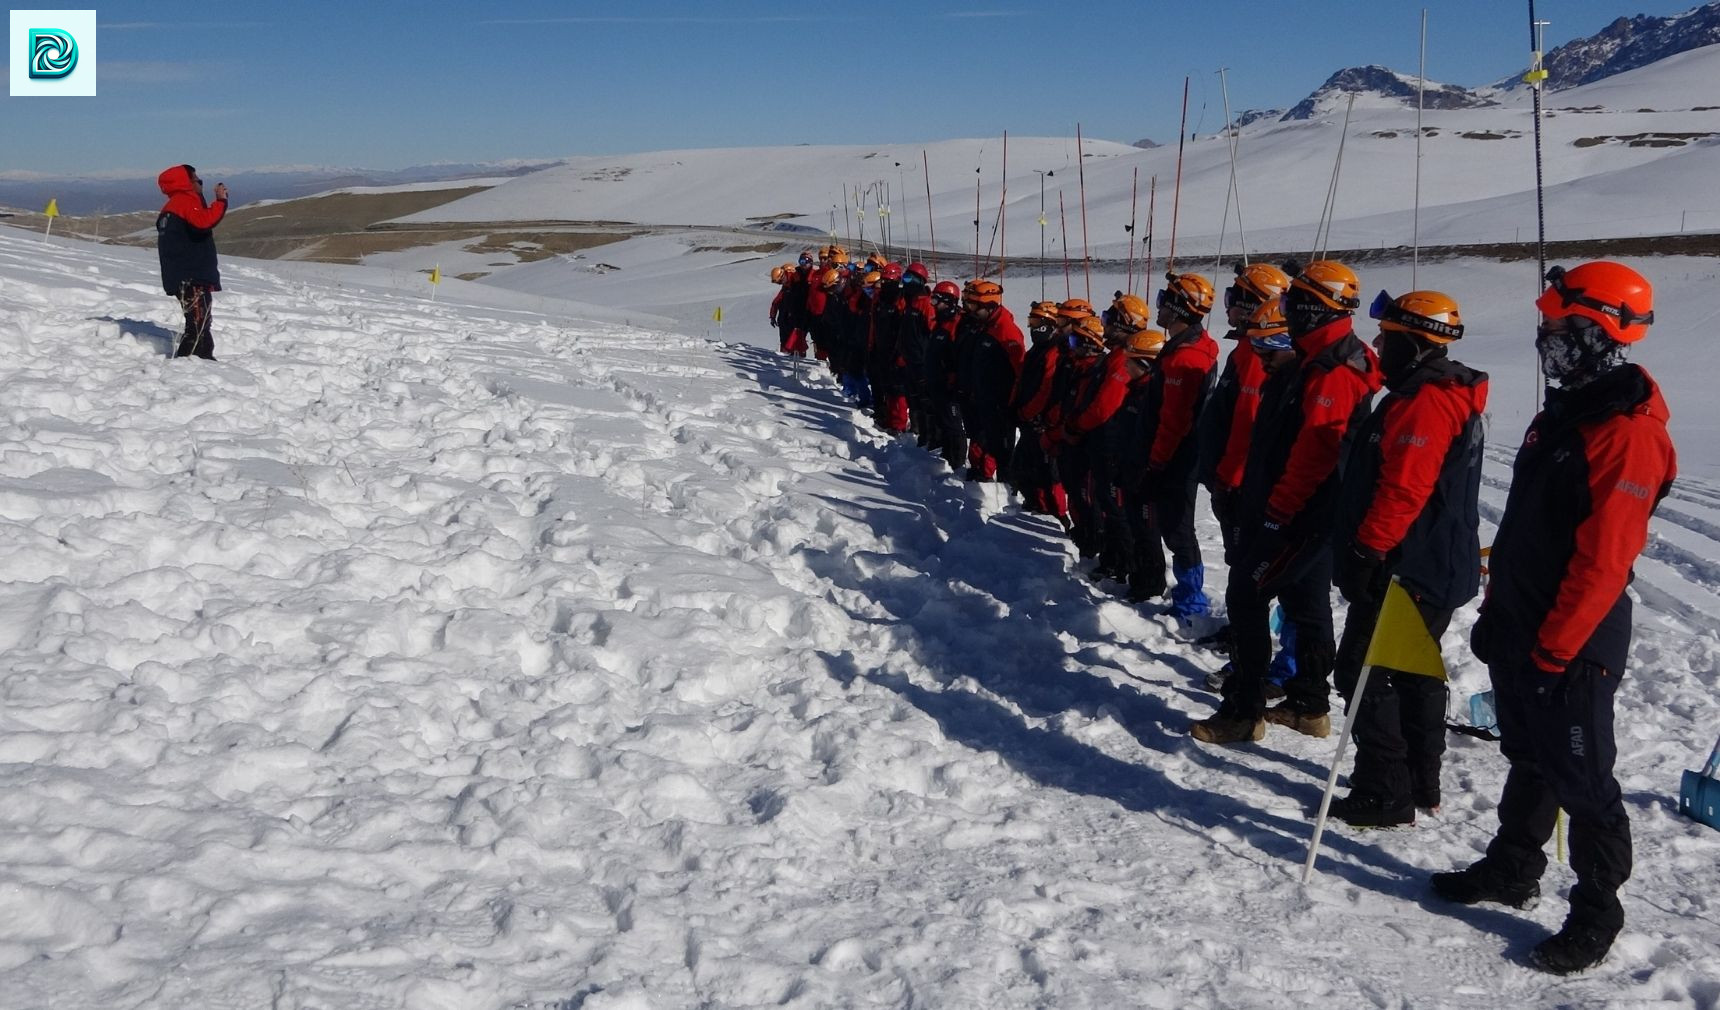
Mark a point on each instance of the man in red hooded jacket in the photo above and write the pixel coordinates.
(185, 238)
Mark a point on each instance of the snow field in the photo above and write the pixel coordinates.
(447, 655)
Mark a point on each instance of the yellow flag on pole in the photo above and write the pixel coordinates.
(1401, 640)
(717, 316)
(53, 208)
(436, 275)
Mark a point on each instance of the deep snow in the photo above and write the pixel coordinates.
(463, 655)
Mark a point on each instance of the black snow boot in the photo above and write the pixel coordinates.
(1480, 882)
(1577, 946)
(1365, 810)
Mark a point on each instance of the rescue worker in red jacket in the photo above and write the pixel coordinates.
(1092, 431)
(989, 351)
(1226, 422)
(185, 240)
(1181, 380)
(916, 333)
(1288, 505)
(1408, 509)
(1083, 347)
(891, 317)
(943, 412)
(1555, 626)
(1035, 473)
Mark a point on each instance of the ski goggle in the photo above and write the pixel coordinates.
(1267, 345)
(1386, 310)
(1574, 296)
(1235, 296)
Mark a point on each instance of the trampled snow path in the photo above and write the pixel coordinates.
(442, 656)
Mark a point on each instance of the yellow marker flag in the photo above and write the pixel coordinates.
(53, 208)
(1401, 640)
(717, 316)
(1534, 77)
(436, 275)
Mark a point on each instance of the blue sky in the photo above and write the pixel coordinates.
(392, 84)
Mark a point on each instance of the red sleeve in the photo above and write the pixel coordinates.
(1184, 378)
(194, 212)
(815, 299)
(1250, 374)
(1040, 398)
(1631, 461)
(1414, 442)
(1328, 400)
(1113, 389)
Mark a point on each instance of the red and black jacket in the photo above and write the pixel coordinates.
(1307, 415)
(1412, 480)
(1227, 421)
(890, 319)
(185, 235)
(1099, 396)
(1038, 381)
(940, 370)
(988, 359)
(1182, 378)
(1593, 466)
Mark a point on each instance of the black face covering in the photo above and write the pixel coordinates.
(1401, 354)
(1305, 315)
(1573, 357)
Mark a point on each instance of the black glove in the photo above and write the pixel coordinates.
(1359, 573)
(1481, 637)
(1548, 689)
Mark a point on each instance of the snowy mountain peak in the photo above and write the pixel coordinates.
(1629, 43)
(1383, 82)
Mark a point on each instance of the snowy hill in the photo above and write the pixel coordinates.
(471, 654)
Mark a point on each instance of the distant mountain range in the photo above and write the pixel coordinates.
(1626, 44)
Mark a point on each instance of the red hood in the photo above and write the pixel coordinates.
(1321, 337)
(176, 180)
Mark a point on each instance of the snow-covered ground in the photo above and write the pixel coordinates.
(470, 655)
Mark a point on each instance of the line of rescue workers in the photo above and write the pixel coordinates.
(1111, 420)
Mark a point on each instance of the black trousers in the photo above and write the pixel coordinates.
(1305, 590)
(1170, 498)
(196, 300)
(1562, 755)
(1400, 719)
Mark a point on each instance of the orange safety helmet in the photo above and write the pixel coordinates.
(1187, 294)
(1075, 308)
(1256, 283)
(1617, 298)
(875, 261)
(1431, 315)
(776, 275)
(1130, 314)
(1267, 322)
(1332, 284)
(832, 277)
(1042, 314)
(1091, 330)
(838, 254)
(983, 292)
(1144, 343)
(872, 278)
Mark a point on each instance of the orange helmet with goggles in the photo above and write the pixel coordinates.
(1330, 283)
(1431, 315)
(1074, 309)
(1088, 331)
(983, 292)
(1042, 314)
(1189, 295)
(1129, 314)
(1256, 283)
(1612, 295)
